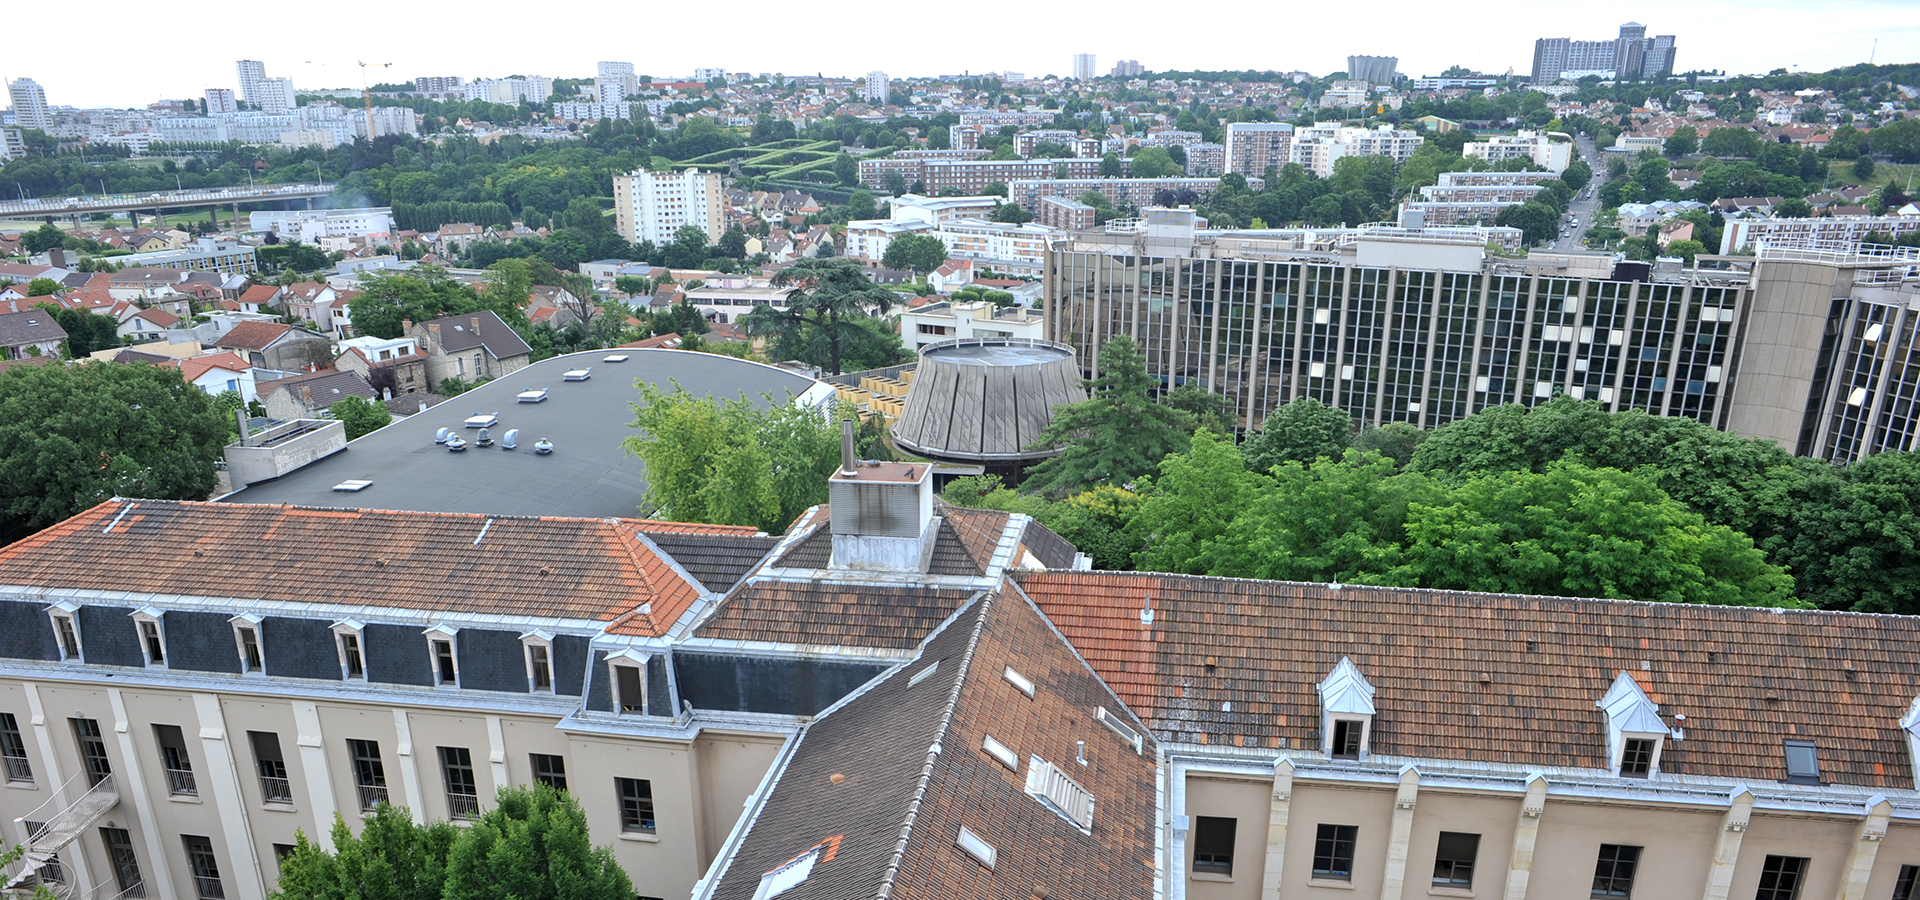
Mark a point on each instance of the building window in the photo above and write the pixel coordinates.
(13, 750)
(629, 686)
(636, 805)
(1803, 762)
(173, 758)
(1780, 878)
(67, 635)
(151, 642)
(446, 669)
(347, 640)
(274, 786)
(1213, 845)
(206, 872)
(1346, 738)
(539, 661)
(1333, 851)
(463, 797)
(246, 636)
(126, 864)
(1453, 859)
(93, 750)
(369, 775)
(1903, 886)
(1636, 761)
(1613, 873)
(550, 770)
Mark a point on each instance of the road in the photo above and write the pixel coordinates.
(67, 206)
(1586, 203)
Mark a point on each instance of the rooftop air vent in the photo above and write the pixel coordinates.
(577, 374)
(617, 357)
(483, 420)
(533, 396)
(483, 439)
(353, 485)
(440, 437)
(456, 444)
(511, 440)
(543, 446)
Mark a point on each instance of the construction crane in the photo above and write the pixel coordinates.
(366, 94)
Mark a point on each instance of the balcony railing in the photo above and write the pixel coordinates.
(19, 770)
(276, 789)
(371, 796)
(208, 888)
(463, 806)
(180, 781)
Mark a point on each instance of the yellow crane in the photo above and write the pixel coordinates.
(366, 94)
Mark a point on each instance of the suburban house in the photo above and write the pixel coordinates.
(141, 283)
(277, 346)
(259, 298)
(470, 347)
(396, 366)
(30, 333)
(311, 301)
(306, 395)
(142, 325)
(216, 373)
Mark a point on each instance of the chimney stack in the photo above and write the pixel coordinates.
(406, 325)
(846, 446)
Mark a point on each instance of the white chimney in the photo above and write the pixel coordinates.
(881, 515)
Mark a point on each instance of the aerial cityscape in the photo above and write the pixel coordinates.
(1306, 467)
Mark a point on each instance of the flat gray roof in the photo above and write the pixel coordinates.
(586, 475)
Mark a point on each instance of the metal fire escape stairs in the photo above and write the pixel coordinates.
(58, 826)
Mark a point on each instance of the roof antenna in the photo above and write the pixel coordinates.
(846, 448)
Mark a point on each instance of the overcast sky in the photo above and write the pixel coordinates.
(120, 63)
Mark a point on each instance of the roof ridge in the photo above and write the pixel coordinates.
(933, 753)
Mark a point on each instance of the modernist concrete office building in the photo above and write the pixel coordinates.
(1812, 349)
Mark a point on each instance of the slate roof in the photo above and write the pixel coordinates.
(1495, 677)
(480, 329)
(324, 388)
(29, 327)
(719, 561)
(891, 823)
(547, 566)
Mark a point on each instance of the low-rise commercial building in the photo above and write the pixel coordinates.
(1532, 146)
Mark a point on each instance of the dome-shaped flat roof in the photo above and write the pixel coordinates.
(987, 399)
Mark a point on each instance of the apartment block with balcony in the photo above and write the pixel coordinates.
(652, 206)
(1254, 147)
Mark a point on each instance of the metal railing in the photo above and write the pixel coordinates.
(463, 806)
(180, 781)
(276, 789)
(371, 796)
(208, 888)
(19, 769)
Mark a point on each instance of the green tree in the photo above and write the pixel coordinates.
(86, 331)
(1793, 208)
(532, 845)
(895, 183)
(1537, 221)
(633, 285)
(1011, 213)
(1577, 175)
(71, 437)
(860, 204)
(730, 462)
(1302, 431)
(42, 239)
(1340, 520)
(1192, 502)
(1857, 541)
(1115, 436)
(831, 297)
(1154, 162)
(921, 253)
(421, 294)
(42, 287)
(1899, 140)
(1863, 167)
(1396, 441)
(688, 249)
(390, 859)
(360, 415)
(846, 169)
(1110, 166)
(1208, 409)
(1684, 141)
(1686, 250)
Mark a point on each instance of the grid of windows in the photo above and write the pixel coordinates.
(463, 796)
(1781, 877)
(1859, 381)
(1453, 859)
(636, 805)
(1333, 851)
(1613, 872)
(13, 751)
(550, 770)
(1213, 844)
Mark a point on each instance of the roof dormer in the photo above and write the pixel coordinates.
(1635, 732)
(1910, 723)
(1346, 713)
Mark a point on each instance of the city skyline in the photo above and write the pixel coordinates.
(1738, 37)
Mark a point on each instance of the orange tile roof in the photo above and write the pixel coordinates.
(192, 368)
(253, 335)
(436, 562)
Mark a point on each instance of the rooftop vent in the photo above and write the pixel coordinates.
(533, 396)
(440, 437)
(1114, 724)
(483, 420)
(616, 358)
(353, 485)
(923, 674)
(456, 443)
(577, 374)
(1051, 786)
(511, 440)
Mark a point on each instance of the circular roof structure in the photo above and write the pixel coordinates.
(987, 399)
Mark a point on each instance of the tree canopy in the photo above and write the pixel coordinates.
(1118, 434)
(830, 304)
(71, 437)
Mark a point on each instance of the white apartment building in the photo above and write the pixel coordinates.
(221, 100)
(1345, 93)
(269, 94)
(947, 321)
(1319, 147)
(1005, 248)
(876, 87)
(867, 240)
(387, 120)
(708, 74)
(1255, 147)
(310, 225)
(589, 111)
(939, 210)
(1083, 67)
(29, 104)
(510, 91)
(651, 206)
(620, 73)
(1533, 146)
(1827, 232)
(13, 144)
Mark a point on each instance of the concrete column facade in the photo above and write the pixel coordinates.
(409, 767)
(319, 776)
(134, 785)
(248, 881)
(1277, 827)
(1400, 838)
(1525, 832)
(1726, 854)
(1866, 847)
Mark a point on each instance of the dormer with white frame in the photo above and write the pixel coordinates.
(443, 655)
(1635, 732)
(1346, 713)
(248, 643)
(537, 647)
(627, 679)
(152, 634)
(1910, 723)
(65, 618)
(350, 644)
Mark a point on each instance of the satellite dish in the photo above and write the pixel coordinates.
(510, 440)
(440, 437)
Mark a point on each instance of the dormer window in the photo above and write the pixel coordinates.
(628, 670)
(539, 655)
(1635, 731)
(440, 652)
(349, 641)
(246, 639)
(66, 631)
(153, 643)
(1346, 712)
(1803, 762)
